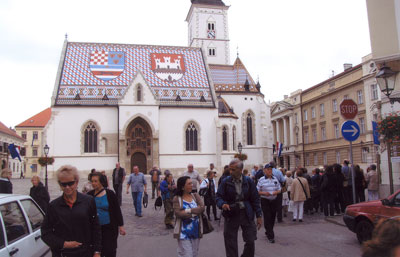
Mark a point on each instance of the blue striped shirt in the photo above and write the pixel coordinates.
(268, 185)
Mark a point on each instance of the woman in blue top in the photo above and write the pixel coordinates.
(109, 214)
(188, 208)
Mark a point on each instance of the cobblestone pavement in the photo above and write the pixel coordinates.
(147, 236)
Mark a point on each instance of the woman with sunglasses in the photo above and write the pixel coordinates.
(71, 227)
(109, 213)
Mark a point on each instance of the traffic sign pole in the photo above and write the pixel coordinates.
(352, 172)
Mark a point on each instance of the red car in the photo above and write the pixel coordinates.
(362, 217)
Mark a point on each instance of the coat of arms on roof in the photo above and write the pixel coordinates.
(168, 67)
(107, 65)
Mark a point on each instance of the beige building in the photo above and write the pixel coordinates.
(308, 122)
(32, 131)
(322, 121)
(287, 129)
(7, 137)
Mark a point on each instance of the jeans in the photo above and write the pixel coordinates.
(137, 202)
(188, 248)
(373, 195)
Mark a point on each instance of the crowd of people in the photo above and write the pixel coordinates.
(89, 223)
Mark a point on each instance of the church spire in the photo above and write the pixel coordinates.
(209, 2)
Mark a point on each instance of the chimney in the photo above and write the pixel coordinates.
(285, 97)
(347, 66)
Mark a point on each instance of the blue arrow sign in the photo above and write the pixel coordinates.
(350, 130)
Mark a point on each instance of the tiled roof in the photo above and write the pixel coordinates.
(5, 130)
(224, 110)
(231, 78)
(93, 70)
(209, 2)
(39, 120)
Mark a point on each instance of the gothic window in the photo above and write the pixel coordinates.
(224, 139)
(191, 137)
(211, 51)
(234, 138)
(249, 125)
(90, 138)
(211, 30)
(139, 93)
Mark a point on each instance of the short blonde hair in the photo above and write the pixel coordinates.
(5, 172)
(67, 170)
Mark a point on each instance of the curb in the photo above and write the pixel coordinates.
(335, 222)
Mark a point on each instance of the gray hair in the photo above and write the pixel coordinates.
(67, 170)
(237, 162)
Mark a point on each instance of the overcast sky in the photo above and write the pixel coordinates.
(288, 44)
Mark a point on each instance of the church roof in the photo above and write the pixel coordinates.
(224, 110)
(99, 74)
(209, 2)
(232, 78)
(38, 120)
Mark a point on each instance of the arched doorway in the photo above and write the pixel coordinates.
(139, 159)
(139, 143)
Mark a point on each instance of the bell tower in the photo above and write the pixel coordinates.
(208, 29)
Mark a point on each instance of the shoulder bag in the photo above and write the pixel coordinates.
(305, 193)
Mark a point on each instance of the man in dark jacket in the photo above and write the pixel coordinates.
(118, 178)
(237, 196)
(71, 227)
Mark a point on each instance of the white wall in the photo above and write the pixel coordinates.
(63, 134)
(173, 152)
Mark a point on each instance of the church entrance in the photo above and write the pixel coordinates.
(139, 142)
(139, 159)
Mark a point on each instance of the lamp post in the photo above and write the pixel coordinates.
(386, 79)
(46, 152)
(240, 147)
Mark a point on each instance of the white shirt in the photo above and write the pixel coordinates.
(269, 185)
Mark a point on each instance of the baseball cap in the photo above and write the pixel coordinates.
(267, 166)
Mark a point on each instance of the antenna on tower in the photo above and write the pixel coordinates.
(237, 51)
(66, 36)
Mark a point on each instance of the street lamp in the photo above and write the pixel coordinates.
(240, 147)
(386, 79)
(46, 152)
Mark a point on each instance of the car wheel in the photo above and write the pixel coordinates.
(364, 230)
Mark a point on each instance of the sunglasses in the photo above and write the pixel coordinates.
(65, 184)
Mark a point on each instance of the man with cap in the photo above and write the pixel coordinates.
(269, 187)
(281, 178)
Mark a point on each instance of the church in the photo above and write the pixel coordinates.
(153, 105)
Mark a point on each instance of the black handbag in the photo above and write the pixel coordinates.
(207, 227)
(158, 203)
(145, 200)
(203, 191)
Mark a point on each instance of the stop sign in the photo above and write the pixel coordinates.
(348, 109)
